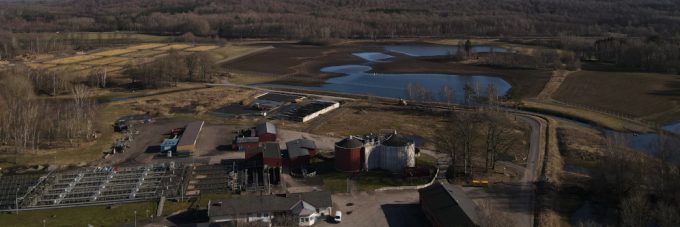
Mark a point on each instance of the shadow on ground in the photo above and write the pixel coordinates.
(189, 217)
(404, 215)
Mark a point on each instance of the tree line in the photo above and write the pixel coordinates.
(649, 53)
(346, 18)
(168, 70)
(28, 122)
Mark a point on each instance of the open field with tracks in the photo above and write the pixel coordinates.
(115, 59)
(650, 96)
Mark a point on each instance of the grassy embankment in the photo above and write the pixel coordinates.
(336, 182)
(102, 215)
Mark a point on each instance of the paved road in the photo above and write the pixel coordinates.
(379, 209)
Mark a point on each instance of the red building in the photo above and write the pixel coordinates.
(348, 154)
(300, 151)
(270, 153)
(266, 132)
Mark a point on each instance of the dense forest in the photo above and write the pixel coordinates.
(347, 18)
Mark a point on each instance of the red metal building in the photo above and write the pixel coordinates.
(266, 132)
(300, 151)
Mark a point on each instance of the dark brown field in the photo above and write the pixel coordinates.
(656, 96)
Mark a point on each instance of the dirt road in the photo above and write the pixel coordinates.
(517, 199)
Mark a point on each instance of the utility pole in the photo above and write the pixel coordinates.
(16, 200)
(135, 218)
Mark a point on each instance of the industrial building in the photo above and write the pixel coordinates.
(300, 151)
(187, 142)
(266, 132)
(392, 152)
(447, 205)
(269, 152)
(251, 138)
(310, 110)
(302, 209)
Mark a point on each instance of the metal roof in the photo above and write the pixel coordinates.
(299, 147)
(268, 203)
(169, 142)
(449, 204)
(397, 140)
(349, 143)
(266, 127)
(269, 150)
(190, 134)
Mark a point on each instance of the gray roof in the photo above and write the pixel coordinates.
(269, 150)
(269, 203)
(299, 147)
(266, 127)
(251, 204)
(397, 140)
(319, 199)
(448, 204)
(190, 134)
(349, 142)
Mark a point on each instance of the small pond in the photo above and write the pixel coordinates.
(357, 80)
(373, 56)
(424, 50)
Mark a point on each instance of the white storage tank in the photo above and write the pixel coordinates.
(371, 154)
(397, 152)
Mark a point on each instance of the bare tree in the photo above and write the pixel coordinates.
(447, 94)
(498, 140)
(98, 78)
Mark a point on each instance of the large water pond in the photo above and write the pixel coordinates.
(356, 79)
(423, 50)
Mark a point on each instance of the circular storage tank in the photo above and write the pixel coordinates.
(397, 152)
(348, 155)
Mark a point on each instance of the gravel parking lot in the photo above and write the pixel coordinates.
(379, 209)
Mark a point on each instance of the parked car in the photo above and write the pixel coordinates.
(338, 216)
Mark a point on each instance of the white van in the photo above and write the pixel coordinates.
(338, 216)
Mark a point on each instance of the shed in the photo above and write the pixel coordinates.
(266, 132)
(168, 145)
(187, 143)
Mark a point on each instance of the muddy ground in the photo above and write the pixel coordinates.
(301, 64)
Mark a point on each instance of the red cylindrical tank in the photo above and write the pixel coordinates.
(348, 155)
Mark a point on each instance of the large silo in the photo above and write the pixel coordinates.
(348, 155)
(371, 156)
(397, 152)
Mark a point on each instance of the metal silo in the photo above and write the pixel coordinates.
(397, 152)
(348, 154)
